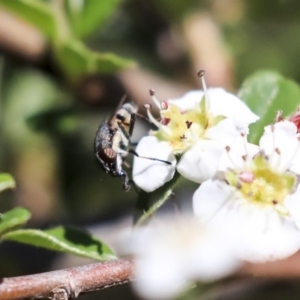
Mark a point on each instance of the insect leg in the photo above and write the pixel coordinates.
(126, 164)
(146, 157)
(119, 172)
(123, 130)
(126, 181)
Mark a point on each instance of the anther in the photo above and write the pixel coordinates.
(147, 106)
(164, 105)
(183, 137)
(227, 148)
(201, 73)
(279, 116)
(272, 128)
(151, 92)
(274, 202)
(238, 185)
(263, 154)
(206, 103)
(157, 103)
(295, 118)
(244, 157)
(188, 124)
(165, 121)
(277, 151)
(242, 134)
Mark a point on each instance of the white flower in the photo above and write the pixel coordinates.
(256, 195)
(196, 128)
(172, 253)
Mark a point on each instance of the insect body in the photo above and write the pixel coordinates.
(112, 142)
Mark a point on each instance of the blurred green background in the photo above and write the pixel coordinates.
(64, 66)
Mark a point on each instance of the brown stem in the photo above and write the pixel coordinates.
(20, 38)
(68, 283)
(280, 269)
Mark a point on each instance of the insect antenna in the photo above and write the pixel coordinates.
(143, 117)
(146, 157)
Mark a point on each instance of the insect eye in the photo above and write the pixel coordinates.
(120, 117)
(108, 155)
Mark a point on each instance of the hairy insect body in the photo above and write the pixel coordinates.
(113, 140)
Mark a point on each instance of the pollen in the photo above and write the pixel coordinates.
(181, 128)
(184, 128)
(261, 185)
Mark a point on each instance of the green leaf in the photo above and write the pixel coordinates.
(109, 63)
(77, 60)
(64, 239)
(267, 92)
(13, 218)
(74, 58)
(85, 16)
(6, 182)
(35, 12)
(58, 120)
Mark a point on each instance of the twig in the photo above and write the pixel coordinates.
(21, 39)
(207, 51)
(280, 269)
(68, 283)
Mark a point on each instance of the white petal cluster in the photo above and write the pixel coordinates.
(173, 253)
(193, 130)
(256, 195)
(247, 207)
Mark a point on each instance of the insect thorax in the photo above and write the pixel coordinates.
(112, 141)
(120, 143)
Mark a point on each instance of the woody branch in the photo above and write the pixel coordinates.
(67, 283)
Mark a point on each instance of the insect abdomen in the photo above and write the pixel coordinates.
(103, 138)
(108, 155)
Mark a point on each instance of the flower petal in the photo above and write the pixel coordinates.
(265, 235)
(269, 243)
(201, 161)
(209, 198)
(292, 203)
(206, 262)
(158, 276)
(260, 233)
(148, 174)
(280, 143)
(220, 103)
(183, 251)
(188, 101)
(228, 105)
(238, 155)
(225, 132)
